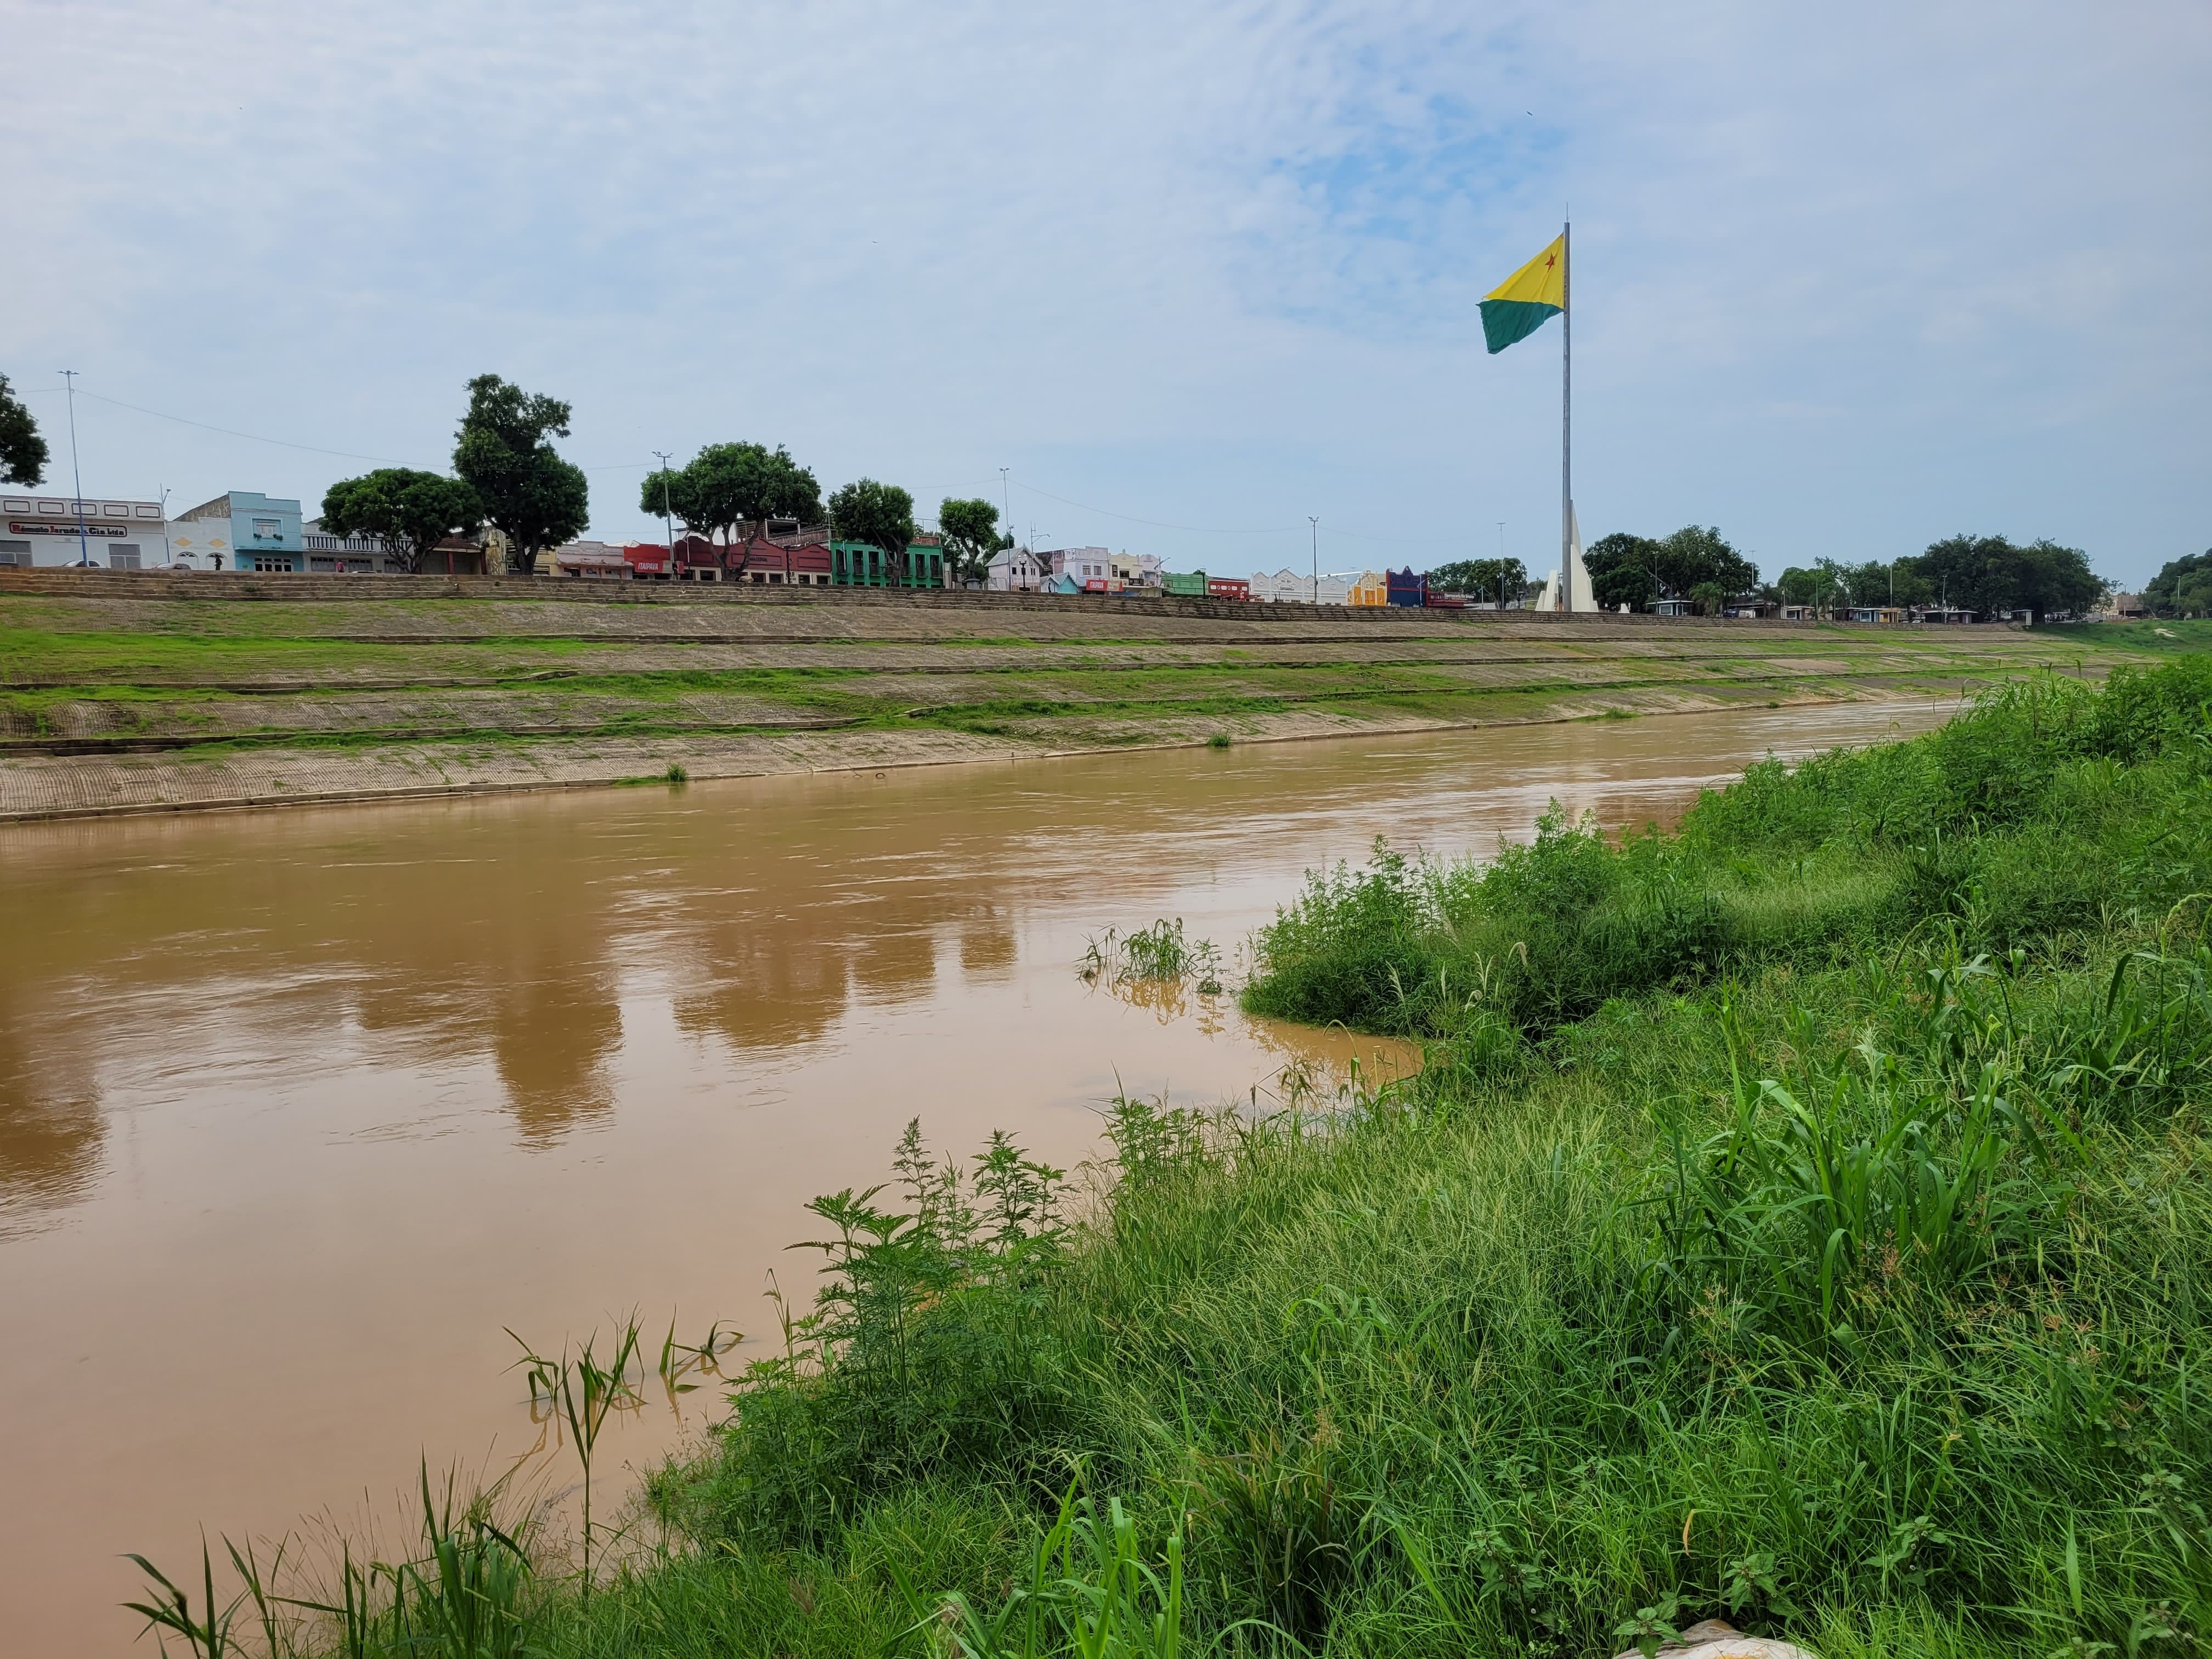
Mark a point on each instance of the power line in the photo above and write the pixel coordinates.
(286, 443)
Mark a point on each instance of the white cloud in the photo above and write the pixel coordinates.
(1846, 280)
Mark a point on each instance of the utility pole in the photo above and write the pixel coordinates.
(76, 479)
(1006, 499)
(1501, 566)
(668, 518)
(166, 555)
(1314, 519)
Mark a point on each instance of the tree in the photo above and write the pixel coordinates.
(667, 493)
(2162, 594)
(1498, 581)
(971, 534)
(1989, 573)
(1694, 555)
(22, 451)
(411, 511)
(502, 450)
(1711, 599)
(1623, 570)
(880, 514)
(2059, 578)
(1817, 587)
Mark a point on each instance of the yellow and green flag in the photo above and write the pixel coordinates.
(1524, 302)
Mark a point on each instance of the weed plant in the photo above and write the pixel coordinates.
(1802, 1218)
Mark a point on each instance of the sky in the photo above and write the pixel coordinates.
(1846, 280)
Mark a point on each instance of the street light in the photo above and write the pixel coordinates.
(1501, 566)
(667, 517)
(166, 557)
(76, 479)
(1006, 500)
(1314, 521)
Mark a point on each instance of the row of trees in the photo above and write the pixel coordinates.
(1985, 574)
(1697, 562)
(508, 475)
(2183, 588)
(726, 485)
(1501, 580)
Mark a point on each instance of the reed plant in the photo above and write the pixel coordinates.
(1802, 1216)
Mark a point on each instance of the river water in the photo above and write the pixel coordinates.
(299, 1112)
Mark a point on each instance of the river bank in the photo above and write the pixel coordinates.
(1800, 1217)
(314, 1104)
(181, 695)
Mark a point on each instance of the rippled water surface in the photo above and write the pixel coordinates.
(298, 1110)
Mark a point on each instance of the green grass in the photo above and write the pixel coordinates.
(1802, 1217)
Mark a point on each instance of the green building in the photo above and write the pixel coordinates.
(863, 564)
(1189, 587)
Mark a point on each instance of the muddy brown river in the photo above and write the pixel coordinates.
(299, 1111)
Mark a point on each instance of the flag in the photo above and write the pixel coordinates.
(1524, 302)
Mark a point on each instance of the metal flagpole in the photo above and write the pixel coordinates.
(1566, 416)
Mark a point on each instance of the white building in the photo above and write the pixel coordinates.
(1015, 570)
(38, 529)
(1088, 568)
(329, 554)
(1285, 586)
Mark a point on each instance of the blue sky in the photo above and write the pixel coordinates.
(1847, 279)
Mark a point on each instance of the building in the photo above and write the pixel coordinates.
(760, 562)
(1404, 587)
(1228, 587)
(1672, 608)
(42, 529)
(591, 562)
(1183, 585)
(2127, 607)
(1333, 590)
(331, 554)
(261, 532)
(1285, 587)
(1367, 588)
(1015, 570)
(1090, 568)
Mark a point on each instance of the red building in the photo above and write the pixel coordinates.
(647, 561)
(1228, 587)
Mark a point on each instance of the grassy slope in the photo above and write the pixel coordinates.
(185, 672)
(1808, 1222)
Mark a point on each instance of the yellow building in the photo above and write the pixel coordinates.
(1368, 588)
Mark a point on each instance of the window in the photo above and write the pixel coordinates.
(146, 512)
(14, 552)
(123, 556)
(272, 528)
(271, 562)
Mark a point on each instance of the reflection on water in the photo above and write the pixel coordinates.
(309, 1106)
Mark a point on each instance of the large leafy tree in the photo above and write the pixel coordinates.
(503, 451)
(1696, 554)
(881, 514)
(2183, 588)
(1623, 570)
(22, 451)
(412, 511)
(971, 534)
(1989, 573)
(1500, 581)
(726, 485)
(1818, 587)
(667, 493)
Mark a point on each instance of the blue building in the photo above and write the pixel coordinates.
(264, 532)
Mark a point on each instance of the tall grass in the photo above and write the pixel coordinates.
(1802, 1218)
